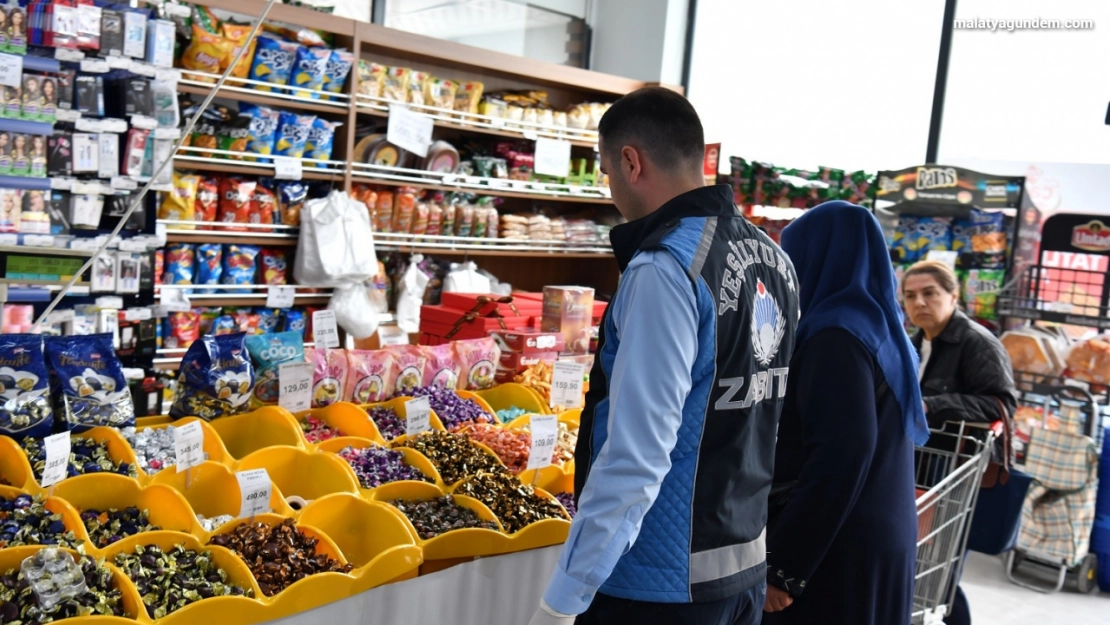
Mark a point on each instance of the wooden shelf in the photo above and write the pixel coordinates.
(242, 238)
(184, 161)
(245, 94)
(439, 251)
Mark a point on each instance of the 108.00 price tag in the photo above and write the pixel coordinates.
(255, 489)
(545, 430)
(188, 445)
(566, 384)
(295, 386)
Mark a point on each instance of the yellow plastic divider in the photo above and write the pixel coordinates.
(167, 508)
(304, 474)
(370, 535)
(14, 468)
(413, 458)
(348, 418)
(462, 543)
(211, 489)
(398, 406)
(11, 558)
(543, 533)
(247, 433)
(213, 446)
(70, 517)
(230, 610)
(505, 396)
(146, 422)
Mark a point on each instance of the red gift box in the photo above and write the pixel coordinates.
(529, 341)
(467, 301)
(517, 361)
(450, 316)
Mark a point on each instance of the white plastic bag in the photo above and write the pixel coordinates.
(336, 245)
(464, 278)
(410, 295)
(358, 307)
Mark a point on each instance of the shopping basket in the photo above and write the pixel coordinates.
(947, 477)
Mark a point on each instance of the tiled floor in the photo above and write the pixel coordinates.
(995, 601)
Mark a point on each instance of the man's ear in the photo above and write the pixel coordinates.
(632, 163)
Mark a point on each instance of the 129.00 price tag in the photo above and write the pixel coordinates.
(188, 445)
(545, 430)
(255, 489)
(566, 384)
(295, 386)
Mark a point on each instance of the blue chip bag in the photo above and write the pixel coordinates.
(24, 387)
(308, 71)
(86, 380)
(294, 321)
(980, 232)
(339, 67)
(224, 324)
(209, 265)
(292, 134)
(269, 352)
(240, 266)
(263, 128)
(321, 139)
(269, 320)
(933, 233)
(273, 62)
(180, 264)
(215, 379)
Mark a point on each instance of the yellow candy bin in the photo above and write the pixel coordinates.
(412, 458)
(478, 400)
(347, 419)
(213, 446)
(212, 490)
(505, 396)
(56, 505)
(303, 474)
(397, 405)
(14, 468)
(271, 426)
(370, 535)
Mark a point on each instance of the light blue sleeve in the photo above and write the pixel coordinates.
(656, 320)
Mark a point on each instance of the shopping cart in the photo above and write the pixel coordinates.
(948, 475)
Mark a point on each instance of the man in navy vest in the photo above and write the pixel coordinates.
(676, 451)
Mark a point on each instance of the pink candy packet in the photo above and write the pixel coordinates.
(370, 376)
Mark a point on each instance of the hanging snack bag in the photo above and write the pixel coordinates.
(980, 292)
(980, 238)
(478, 359)
(273, 62)
(370, 376)
(262, 207)
(207, 53)
(329, 377)
(321, 139)
(87, 383)
(235, 201)
(442, 368)
(24, 387)
(274, 267)
(263, 128)
(933, 233)
(308, 71)
(183, 327)
(236, 34)
(180, 264)
(209, 265)
(180, 203)
(338, 68)
(292, 134)
(409, 363)
(291, 197)
(215, 379)
(269, 352)
(239, 266)
(269, 320)
(224, 324)
(208, 200)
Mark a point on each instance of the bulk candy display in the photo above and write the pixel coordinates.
(169, 581)
(101, 598)
(26, 521)
(86, 456)
(439, 516)
(452, 410)
(375, 466)
(516, 505)
(111, 526)
(453, 456)
(389, 424)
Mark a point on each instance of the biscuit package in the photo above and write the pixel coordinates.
(24, 387)
(370, 376)
(269, 352)
(87, 382)
(329, 378)
(215, 379)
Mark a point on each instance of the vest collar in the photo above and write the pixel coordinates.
(631, 237)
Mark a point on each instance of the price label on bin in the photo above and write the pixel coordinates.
(57, 458)
(295, 386)
(254, 488)
(188, 445)
(418, 416)
(545, 430)
(566, 383)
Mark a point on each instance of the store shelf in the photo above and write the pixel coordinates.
(472, 246)
(27, 127)
(25, 182)
(196, 158)
(256, 298)
(219, 232)
(282, 96)
(398, 176)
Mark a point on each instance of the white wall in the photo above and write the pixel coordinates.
(640, 39)
(803, 83)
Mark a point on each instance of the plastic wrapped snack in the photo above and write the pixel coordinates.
(24, 387)
(215, 379)
(87, 383)
(309, 69)
(442, 368)
(370, 376)
(269, 352)
(1089, 361)
(409, 363)
(240, 266)
(329, 378)
(478, 361)
(273, 62)
(338, 68)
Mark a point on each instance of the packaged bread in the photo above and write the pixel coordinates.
(1031, 352)
(1089, 361)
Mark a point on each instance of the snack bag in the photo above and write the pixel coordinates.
(467, 97)
(87, 383)
(208, 200)
(269, 352)
(981, 232)
(235, 201)
(442, 368)
(383, 212)
(409, 363)
(262, 206)
(239, 266)
(371, 78)
(273, 62)
(182, 328)
(204, 132)
(24, 387)
(329, 377)
(269, 320)
(215, 379)
(395, 85)
(248, 322)
(440, 92)
(478, 359)
(236, 34)
(292, 134)
(209, 265)
(180, 264)
(208, 53)
(321, 139)
(933, 233)
(224, 324)
(274, 267)
(291, 197)
(308, 71)
(980, 292)
(233, 135)
(403, 207)
(180, 203)
(415, 88)
(264, 125)
(370, 376)
(207, 318)
(338, 67)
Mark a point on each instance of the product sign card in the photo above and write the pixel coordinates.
(418, 416)
(566, 384)
(545, 430)
(324, 331)
(295, 386)
(255, 489)
(409, 130)
(188, 445)
(57, 458)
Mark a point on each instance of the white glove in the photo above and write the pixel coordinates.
(545, 615)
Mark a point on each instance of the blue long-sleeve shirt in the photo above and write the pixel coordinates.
(655, 316)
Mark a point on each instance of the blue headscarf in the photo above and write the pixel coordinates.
(846, 281)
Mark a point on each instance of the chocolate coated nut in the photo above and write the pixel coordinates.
(437, 516)
(169, 581)
(277, 555)
(110, 526)
(453, 455)
(26, 521)
(515, 504)
(86, 456)
(101, 597)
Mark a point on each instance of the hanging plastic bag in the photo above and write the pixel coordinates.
(336, 245)
(464, 278)
(357, 308)
(410, 295)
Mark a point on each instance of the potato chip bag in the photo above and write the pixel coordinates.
(209, 266)
(292, 134)
(215, 379)
(274, 267)
(235, 200)
(329, 376)
(442, 369)
(467, 97)
(273, 62)
(240, 266)
(263, 205)
(180, 263)
(395, 85)
(263, 128)
(440, 92)
(338, 67)
(237, 35)
(309, 67)
(180, 203)
(321, 139)
(208, 52)
(269, 320)
(183, 327)
(292, 196)
(233, 135)
(268, 352)
(370, 376)
(208, 199)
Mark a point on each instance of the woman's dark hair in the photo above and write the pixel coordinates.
(942, 273)
(659, 122)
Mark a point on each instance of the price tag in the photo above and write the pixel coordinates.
(255, 488)
(67, 115)
(167, 133)
(286, 168)
(144, 69)
(324, 332)
(138, 314)
(160, 234)
(392, 335)
(68, 54)
(167, 73)
(114, 302)
(38, 240)
(497, 122)
(531, 135)
(62, 184)
(545, 429)
(280, 296)
(11, 70)
(418, 416)
(95, 66)
(552, 157)
(409, 130)
(57, 458)
(174, 300)
(124, 184)
(295, 386)
(188, 445)
(143, 122)
(566, 383)
(118, 62)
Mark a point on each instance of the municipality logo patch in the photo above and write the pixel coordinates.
(768, 325)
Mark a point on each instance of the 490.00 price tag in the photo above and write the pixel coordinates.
(255, 489)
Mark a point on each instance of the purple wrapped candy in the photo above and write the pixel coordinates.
(375, 466)
(452, 410)
(567, 499)
(389, 424)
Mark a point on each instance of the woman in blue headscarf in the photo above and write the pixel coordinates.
(842, 535)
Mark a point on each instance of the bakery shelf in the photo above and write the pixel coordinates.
(472, 122)
(474, 246)
(282, 96)
(399, 176)
(204, 159)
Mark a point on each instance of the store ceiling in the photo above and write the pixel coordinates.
(452, 19)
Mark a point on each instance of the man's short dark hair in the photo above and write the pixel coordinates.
(659, 122)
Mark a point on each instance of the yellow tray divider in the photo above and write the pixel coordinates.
(505, 396)
(247, 433)
(214, 491)
(305, 474)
